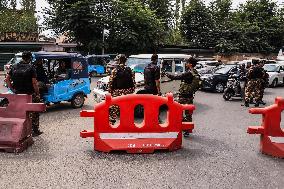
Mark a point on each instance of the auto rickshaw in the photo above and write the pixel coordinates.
(71, 84)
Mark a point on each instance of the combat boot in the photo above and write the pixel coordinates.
(261, 102)
(186, 133)
(257, 104)
(246, 104)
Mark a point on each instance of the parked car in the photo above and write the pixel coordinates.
(206, 66)
(217, 81)
(276, 74)
(169, 63)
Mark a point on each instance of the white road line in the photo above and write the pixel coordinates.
(138, 135)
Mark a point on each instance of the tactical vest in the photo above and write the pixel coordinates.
(123, 79)
(191, 87)
(256, 73)
(149, 76)
(21, 76)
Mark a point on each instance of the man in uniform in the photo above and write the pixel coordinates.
(152, 77)
(21, 79)
(265, 80)
(253, 90)
(121, 82)
(42, 77)
(189, 85)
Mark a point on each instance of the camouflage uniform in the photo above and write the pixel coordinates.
(254, 88)
(189, 85)
(114, 110)
(34, 116)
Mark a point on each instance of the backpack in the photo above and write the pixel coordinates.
(123, 78)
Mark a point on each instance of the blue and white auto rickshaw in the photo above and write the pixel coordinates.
(73, 86)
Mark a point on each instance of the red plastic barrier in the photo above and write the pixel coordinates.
(270, 130)
(15, 124)
(143, 138)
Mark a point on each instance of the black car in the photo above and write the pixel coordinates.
(217, 81)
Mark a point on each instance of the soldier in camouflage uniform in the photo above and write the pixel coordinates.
(189, 85)
(21, 79)
(253, 90)
(265, 81)
(121, 82)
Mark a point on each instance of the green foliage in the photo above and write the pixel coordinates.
(163, 9)
(141, 25)
(132, 27)
(257, 26)
(13, 20)
(17, 21)
(197, 24)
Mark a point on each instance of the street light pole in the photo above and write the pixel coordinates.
(103, 49)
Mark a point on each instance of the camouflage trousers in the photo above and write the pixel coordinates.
(34, 116)
(254, 90)
(187, 117)
(114, 110)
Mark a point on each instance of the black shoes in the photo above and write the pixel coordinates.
(37, 133)
(246, 104)
(257, 104)
(186, 133)
(261, 102)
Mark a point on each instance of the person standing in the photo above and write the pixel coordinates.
(152, 77)
(21, 79)
(121, 82)
(42, 77)
(264, 81)
(253, 90)
(190, 83)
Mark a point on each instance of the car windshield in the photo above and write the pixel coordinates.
(270, 68)
(138, 61)
(224, 70)
(139, 68)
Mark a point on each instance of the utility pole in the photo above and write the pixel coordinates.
(103, 49)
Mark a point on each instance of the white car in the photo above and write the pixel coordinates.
(276, 74)
(204, 67)
(169, 63)
(102, 86)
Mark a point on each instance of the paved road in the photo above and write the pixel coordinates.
(219, 154)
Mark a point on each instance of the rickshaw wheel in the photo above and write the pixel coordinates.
(78, 101)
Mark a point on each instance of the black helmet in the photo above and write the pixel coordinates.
(27, 56)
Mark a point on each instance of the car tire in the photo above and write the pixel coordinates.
(274, 83)
(227, 95)
(219, 87)
(78, 101)
(94, 74)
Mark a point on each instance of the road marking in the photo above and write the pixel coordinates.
(138, 135)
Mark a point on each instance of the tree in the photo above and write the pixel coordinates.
(261, 26)
(28, 5)
(197, 25)
(126, 21)
(162, 9)
(134, 28)
(13, 20)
